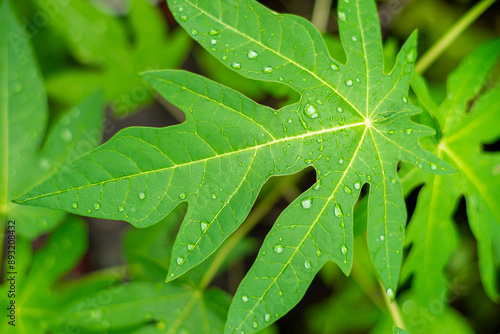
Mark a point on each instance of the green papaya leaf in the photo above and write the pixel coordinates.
(99, 43)
(464, 130)
(137, 304)
(37, 303)
(352, 125)
(24, 115)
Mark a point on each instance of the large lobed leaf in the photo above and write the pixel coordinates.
(352, 124)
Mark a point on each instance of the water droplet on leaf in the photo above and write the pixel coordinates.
(307, 265)
(236, 65)
(311, 111)
(338, 211)
(278, 249)
(252, 54)
(390, 293)
(348, 82)
(307, 203)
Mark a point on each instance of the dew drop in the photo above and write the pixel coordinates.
(405, 99)
(382, 238)
(348, 82)
(434, 167)
(255, 324)
(342, 16)
(317, 185)
(181, 9)
(97, 206)
(307, 265)
(289, 120)
(213, 32)
(307, 203)
(204, 226)
(411, 56)
(278, 249)
(236, 65)
(268, 69)
(343, 249)
(267, 317)
(184, 18)
(142, 195)
(74, 205)
(311, 111)
(334, 67)
(408, 131)
(121, 208)
(338, 211)
(339, 109)
(214, 196)
(390, 293)
(213, 41)
(252, 54)
(244, 298)
(281, 79)
(180, 260)
(354, 38)
(190, 246)
(194, 32)
(182, 195)
(224, 57)
(347, 190)
(341, 161)
(391, 132)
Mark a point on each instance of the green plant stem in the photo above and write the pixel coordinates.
(321, 14)
(437, 49)
(393, 308)
(257, 214)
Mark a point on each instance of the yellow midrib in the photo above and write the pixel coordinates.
(256, 147)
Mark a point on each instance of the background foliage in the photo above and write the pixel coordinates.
(116, 284)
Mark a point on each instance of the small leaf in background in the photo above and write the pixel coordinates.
(24, 115)
(37, 302)
(468, 119)
(108, 60)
